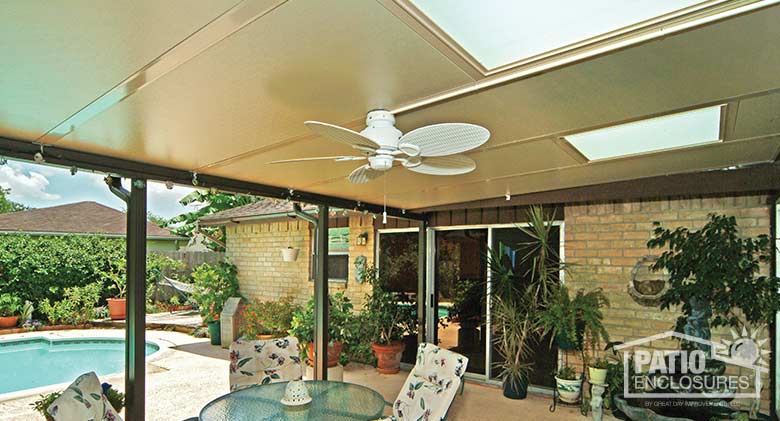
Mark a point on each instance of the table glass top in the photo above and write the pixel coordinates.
(330, 401)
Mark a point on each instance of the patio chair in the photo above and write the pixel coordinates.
(83, 400)
(263, 362)
(431, 385)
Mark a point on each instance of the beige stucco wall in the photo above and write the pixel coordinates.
(255, 250)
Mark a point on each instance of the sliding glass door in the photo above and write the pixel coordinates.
(460, 279)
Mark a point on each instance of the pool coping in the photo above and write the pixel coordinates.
(63, 336)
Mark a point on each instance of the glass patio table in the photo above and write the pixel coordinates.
(331, 400)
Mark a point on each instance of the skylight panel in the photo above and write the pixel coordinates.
(499, 32)
(681, 130)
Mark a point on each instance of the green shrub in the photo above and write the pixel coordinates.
(35, 268)
(214, 284)
(268, 318)
(77, 306)
(10, 305)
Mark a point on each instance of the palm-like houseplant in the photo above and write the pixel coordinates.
(518, 299)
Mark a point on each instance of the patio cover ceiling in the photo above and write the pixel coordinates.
(222, 87)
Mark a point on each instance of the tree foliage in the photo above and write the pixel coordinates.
(714, 265)
(6, 205)
(207, 203)
(35, 268)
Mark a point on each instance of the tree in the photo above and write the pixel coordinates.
(207, 203)
(716, 276)
(158, 220)
(7, 205)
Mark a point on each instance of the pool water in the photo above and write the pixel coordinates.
(34, 362)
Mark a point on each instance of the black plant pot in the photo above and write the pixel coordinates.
(517, 389)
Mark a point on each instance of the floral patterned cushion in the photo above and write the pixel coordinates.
(432, 384)
(83, 400)
(263, 362)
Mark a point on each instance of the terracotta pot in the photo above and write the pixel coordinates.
(388, 357)
(8, 321)
(116, 308)
(334, 352)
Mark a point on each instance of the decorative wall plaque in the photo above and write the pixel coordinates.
(360, 269)
(646, 286)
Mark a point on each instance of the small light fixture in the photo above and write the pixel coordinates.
(195, 181)
(508, 197)
(38, 158)
(384, 217)
(169, 184)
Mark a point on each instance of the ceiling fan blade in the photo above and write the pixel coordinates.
(364, 174)
(445, 138)
(445, 165)
(352, 138)
(320, 158)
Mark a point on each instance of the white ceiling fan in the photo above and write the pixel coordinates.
(430, 149)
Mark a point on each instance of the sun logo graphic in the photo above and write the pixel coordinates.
(746, 349)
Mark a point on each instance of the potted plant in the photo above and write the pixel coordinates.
(597, 371)
(722, 287)
(290, 254)
(569, 384)
(302, 326)
(518, 297)
(10, 306)
(268, 319)
(388, 320)
(118, 303)
(214, 284)
(114, 397)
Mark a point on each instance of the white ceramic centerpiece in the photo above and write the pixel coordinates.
(296, 394)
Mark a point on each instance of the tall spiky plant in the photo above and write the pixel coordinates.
(518, 298)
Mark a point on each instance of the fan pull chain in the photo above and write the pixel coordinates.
(384, 209)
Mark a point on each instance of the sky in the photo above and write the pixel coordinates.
(41, 186)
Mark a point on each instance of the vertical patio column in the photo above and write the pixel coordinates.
(135, 347)
(321, 296)
(422, 251)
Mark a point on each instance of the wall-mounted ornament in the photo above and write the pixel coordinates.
(360, 269)
(290, 254)
(646, 286)
(362, 239)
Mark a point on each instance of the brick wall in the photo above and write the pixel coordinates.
(605, 241)
(255, 250)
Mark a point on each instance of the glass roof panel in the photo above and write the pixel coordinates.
(498, 32)
(672, 131)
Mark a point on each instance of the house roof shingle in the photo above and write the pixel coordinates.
(75, 218)
(260, 208)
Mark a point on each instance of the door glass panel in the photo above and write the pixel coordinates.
(511, 244)
(398, 265)
(460, 278)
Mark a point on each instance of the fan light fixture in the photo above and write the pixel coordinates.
(433, 150)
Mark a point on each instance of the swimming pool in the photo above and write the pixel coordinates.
(34, 362)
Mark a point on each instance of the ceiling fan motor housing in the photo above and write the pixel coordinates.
(381, 162)
(380, 127)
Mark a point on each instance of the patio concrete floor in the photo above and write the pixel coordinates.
(188, 372)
